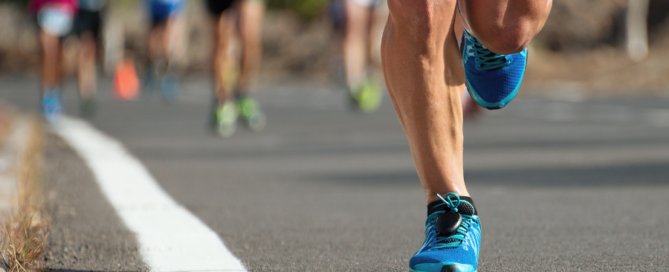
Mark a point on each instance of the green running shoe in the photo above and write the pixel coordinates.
(250, 112)
(226, 119)
(366, 97)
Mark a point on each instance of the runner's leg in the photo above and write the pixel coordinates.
(363, 92)
(224, 111)
(51, 55)
(223, 26)
(425, 79)
(356, 39)
(154, 44)
(86, 74)
(251, 13)
(505, 26)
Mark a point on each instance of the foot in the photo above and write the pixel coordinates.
(452, 237)
(366, 96)
(250, 112)
(226, 119)
(149, 81)
(51, 106)
(492, 80)
(87, 107)
(169, 86)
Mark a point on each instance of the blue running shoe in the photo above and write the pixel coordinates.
(492, 80)
(51, 106)
(170, 87)
(452, 237)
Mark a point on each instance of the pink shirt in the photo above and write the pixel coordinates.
(70, 5)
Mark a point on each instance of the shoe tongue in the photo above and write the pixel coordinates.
(466, 206)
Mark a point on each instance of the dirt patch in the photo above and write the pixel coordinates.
(25, 229)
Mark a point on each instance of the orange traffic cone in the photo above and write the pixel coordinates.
(126, 83)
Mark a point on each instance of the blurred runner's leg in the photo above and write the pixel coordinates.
(364, 92)
(164, 20)
(251, 13)
(50, 106)
(224, 110)
(54, 18)
(87, 26)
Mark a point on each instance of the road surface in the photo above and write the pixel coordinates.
(562, 182)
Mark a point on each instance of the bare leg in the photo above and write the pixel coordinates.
(356, 40)
(223, 29)
(425, 79)
(172, 38)
(155, 44)
(458, 27)
(505, 26)
(251, 13)
(51, 55)
(86, 74)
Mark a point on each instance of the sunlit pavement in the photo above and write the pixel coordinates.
(561, 183)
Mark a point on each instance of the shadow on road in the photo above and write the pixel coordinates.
(628, 175)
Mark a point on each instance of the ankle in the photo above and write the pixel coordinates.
(432, 198)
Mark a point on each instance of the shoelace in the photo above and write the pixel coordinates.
(486, 60)
(457, 238)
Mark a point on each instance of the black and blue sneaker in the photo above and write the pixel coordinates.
(452, 237)
(492, 80)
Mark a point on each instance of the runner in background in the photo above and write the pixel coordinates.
(87, 26)
(161, 47)
(356, 18)
(54, 19)
(232, 98)
(364, 92)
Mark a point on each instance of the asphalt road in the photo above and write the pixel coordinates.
(562, 182)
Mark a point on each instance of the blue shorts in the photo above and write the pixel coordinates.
(161, 10)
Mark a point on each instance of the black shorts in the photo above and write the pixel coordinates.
(87, 21)
(217, 7)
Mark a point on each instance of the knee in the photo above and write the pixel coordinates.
(506, 41)
(420, 16)
(504, 28)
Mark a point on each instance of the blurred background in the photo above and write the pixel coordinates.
(583, 42)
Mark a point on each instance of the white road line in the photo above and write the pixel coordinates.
(170, 238)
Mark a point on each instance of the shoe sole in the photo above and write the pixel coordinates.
(436, 267)
(256, 124)
(226, 132)
(444, 269)
(498, 105)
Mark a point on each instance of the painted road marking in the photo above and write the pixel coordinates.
(169, 236)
